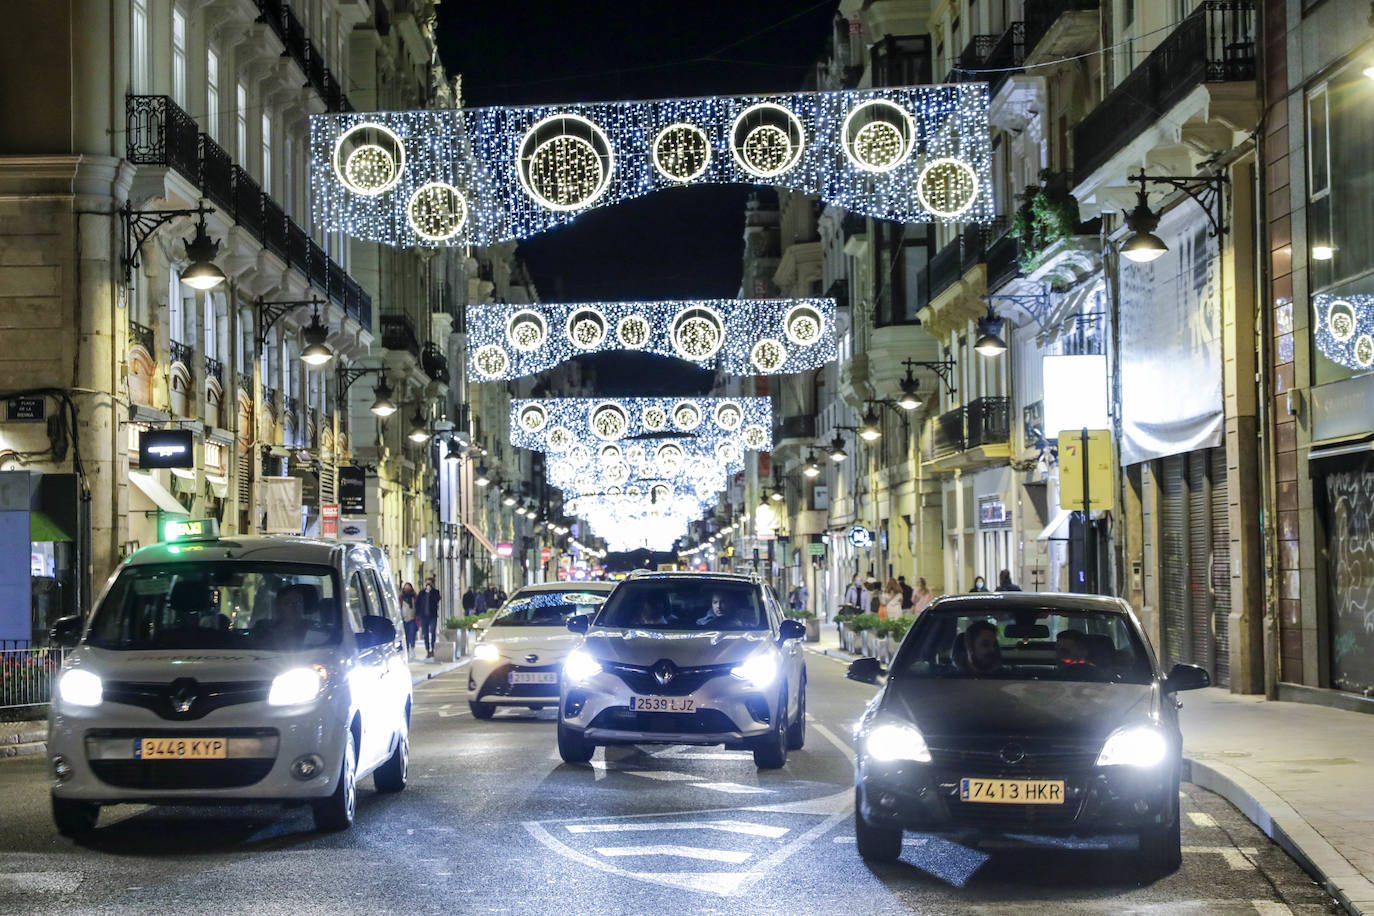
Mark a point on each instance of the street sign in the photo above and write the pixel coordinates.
(166, 448)
(816, 550)
(1085, 470)
(26, 410)
(353, 489)
(329, 520)
(545, 554)
(860, 537)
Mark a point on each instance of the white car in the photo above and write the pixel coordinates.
(517, 660)
(265, 669)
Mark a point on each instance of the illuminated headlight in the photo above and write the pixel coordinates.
(897, 742)
(297, 686)
(79, 687)
(759, 670)
(485, 653)
(579, 666)
(1137, 746)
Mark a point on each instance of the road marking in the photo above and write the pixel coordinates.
(662, 775)
(1236, 857)
(833, 739)
(734, 788)
(679, 752)
(741, 827)
(1271, 908)
(1201, 819)
(733, 856)
(40, 882)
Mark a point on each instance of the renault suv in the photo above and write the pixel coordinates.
(685, 658)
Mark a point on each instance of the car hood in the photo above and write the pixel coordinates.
(973, 708)
(208, 666)
(554, 642)
(685, 649)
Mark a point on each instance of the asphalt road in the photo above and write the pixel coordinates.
(494, 822)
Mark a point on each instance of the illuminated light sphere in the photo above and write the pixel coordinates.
(617, 473)
(727, 452)
(1341, 320)
(755, 436)
(1364, 351)
(804, 325)
(766, 140)
(636, 455)
(436, 211)
(878, 135)
(609, 454)
(633, 491)
(681, 152)
(686, 415)
(562, 471)
(559, 438)
(526, 331)
(659, 492)
(669, 458)
(698, 333)
(565, 162)
(632, 331)
(768, 355)
(655, 418)
(579, 455)
(491, 361)
(533, 418)
(609, 421)
(729, 416)
(586, 328)
(369, 159)
(947, 187)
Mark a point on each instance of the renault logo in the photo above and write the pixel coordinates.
(531, 658)
(664, 672)
(183, 698)
(1012, 754)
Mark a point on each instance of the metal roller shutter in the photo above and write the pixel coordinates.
(1221, 570)
(1199, 562)
(1173, 558)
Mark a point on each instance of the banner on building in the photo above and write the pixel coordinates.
(281, 502)
(329, 520)
(352, 490)
(353, 529)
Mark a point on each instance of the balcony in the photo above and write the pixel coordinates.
(398, 333)
(143, 336)
(216, 174)
(214, 369)
(1070, 26)
(184, 354)
(1005, 56)
(279, 17)
(987, 421)
(434, 363)
(1216, 44)
(269, 399)
(945, 434)
(799, 426)
(961, 255)
(983, 424)
(160, 133)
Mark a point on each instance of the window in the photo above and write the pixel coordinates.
(212, 94)
(266, 153)
(1318, 143)
(241, 124)
(138, 46)
(288, 176)
(176, 309)
(179, 57)
(212, 327)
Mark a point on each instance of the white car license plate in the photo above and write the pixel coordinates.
(180, 748)
(534, 677)
(663, 704)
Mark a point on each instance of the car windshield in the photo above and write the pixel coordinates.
(546, 609)
(282, 607)
(1023, 643)
(684, 604)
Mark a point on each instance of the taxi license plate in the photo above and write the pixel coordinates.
(663, 704)
(1012, 791)
(180, 748)
(534, 677)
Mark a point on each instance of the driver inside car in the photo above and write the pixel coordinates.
(716, 614)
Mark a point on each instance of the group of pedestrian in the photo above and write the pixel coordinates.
(487, 599)
(420, 615)
(895, 598)
(1004, 583)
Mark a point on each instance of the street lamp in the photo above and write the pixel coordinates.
(202, 273)
(316, 352)
(910, 399)
(813, 467)
(507, 498)
(1143, 246)
(837, 452)
(455, 451)
(139, 225)
(382, 405)
(870, 431)
(419, 427)
(990, 342)
(480, 476)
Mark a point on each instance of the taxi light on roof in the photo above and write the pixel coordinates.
(197, 529)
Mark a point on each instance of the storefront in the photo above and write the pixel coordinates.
(39, 521)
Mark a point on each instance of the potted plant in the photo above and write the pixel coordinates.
(1048, 213)
(810, 621)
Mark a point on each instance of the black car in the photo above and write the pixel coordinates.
(1022, 716)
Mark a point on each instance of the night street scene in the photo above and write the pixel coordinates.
(734, 457)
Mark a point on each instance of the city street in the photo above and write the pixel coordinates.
(493, 822)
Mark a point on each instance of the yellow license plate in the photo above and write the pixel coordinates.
(180, 748)
(1012, 791)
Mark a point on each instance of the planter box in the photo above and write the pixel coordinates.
(813, 629)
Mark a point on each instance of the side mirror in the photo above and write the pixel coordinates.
(577, 623)
(791, 629)
(865, 670)
(66, 631)
(377, 631)
(1186, 677)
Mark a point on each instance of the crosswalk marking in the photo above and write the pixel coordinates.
(741, 827)
(733, 856)
(1201, 819)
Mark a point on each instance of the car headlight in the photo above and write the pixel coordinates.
(79, 687)
(1137, 746)
(485, 653)
(297, 686)
(897, 742)
(579, 666)
(758, 670)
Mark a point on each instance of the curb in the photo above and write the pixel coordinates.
(1286, 827)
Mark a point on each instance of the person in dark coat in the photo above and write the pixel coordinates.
(1004, 583)
(907, 599)
(469, 600)
(427, 613)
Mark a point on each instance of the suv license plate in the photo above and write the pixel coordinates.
(180, 748)
(1012, 791)
(534, 677)
(663, 704)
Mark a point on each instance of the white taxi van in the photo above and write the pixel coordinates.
(242, 669)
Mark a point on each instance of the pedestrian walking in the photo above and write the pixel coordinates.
(1004, 583)
(922, 596)
(907, 599)
(479, 603)
(469, 601)
(489, 596)
(890, 601)
(797, 598)
(875, 597)
(500, 597)
(856, 596)
(979, 585)
(408, 617)
(427, 613)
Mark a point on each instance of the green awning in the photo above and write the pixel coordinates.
(43, 528)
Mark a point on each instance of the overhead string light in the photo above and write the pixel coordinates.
(556, 425)
(740, 336)
(482, 176)
(1345, 329)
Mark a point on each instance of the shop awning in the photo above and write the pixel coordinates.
(218, 485)
(43, 528)
(1349, 445)
(1051, 531)
(156, 492)
(482, 538)
(183, 480)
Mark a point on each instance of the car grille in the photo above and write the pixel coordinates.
(999, 756)
(498, 682)
(703, 721)
(205, 698)
(1015, 815)
(641, 679)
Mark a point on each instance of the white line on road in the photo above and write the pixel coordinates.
(832, 738)
(733, 856)
(1236, 857)
(40, 882)
(1271, 908)
(741, 827)
(662, 775)
(1201, 819)
(734, 788)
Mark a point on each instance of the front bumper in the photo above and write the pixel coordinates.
(1099, 801)
(726, 711)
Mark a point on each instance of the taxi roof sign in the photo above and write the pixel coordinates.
(195, 529)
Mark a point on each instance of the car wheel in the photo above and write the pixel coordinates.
(1161, 848)
(74, 818)
(770, 750)
(876, 844)
(572, 747)
(336, 811)
(482, 710)
(391, 776)
(796, 732)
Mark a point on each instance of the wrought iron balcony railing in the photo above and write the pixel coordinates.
(283, 22)
(144, 337)
(1042, 14)
(214, 369)
(987, 421)
(269, 399)
(398, 333)
(183, 353)
(799, 426)
(160, 133)
(435, 363)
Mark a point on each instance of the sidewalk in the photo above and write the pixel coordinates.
(1303, 773)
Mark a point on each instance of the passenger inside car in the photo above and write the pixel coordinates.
(982, 654)
(653, 613)
(1068, 647)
